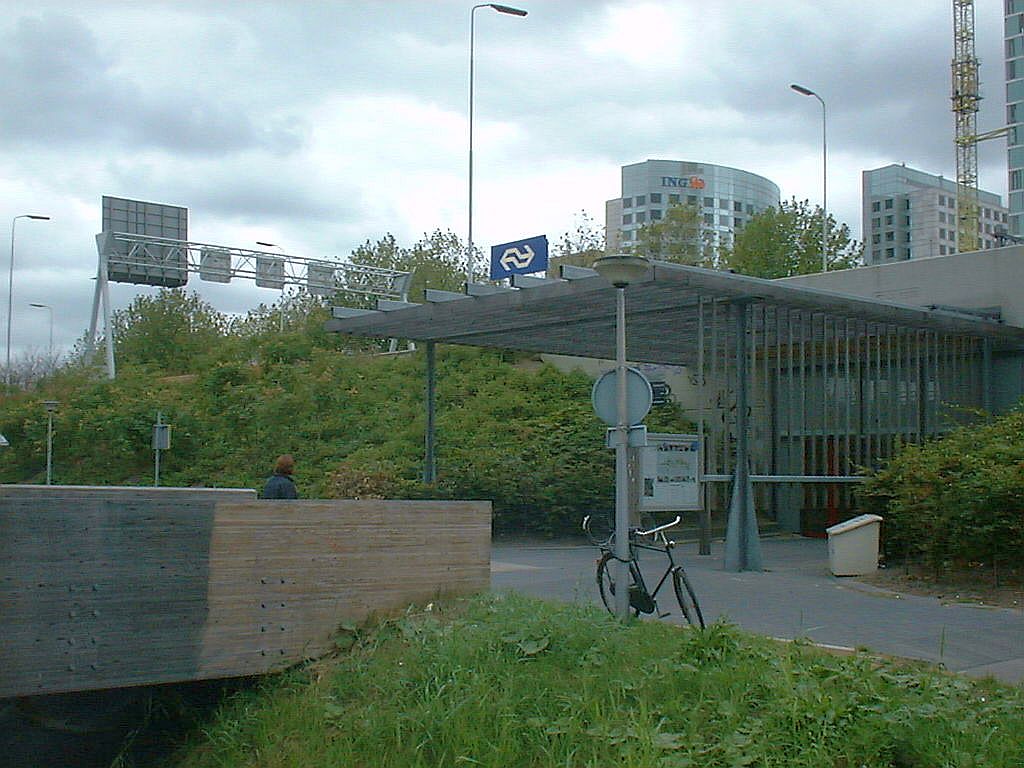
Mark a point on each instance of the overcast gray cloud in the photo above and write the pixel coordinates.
(318, 125)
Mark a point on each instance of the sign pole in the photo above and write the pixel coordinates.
(621, 463)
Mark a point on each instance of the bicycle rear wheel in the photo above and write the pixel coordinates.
(686, 597)
(606, 583)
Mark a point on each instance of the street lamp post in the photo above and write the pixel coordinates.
(280, 324)
(48, 308)
(10, 289)
(507, 9)
(621, 270)
(51, 406)
(824, 175)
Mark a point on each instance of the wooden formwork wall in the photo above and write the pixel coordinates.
(112, 587)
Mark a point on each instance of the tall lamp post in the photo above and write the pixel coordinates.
(824, 175)
(620, 270)
(10, 289)
(48, 308)
(507, 9)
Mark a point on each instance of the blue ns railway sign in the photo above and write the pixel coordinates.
(520, 257)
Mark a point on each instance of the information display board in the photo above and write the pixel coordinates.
(670, 473)
(163, 265)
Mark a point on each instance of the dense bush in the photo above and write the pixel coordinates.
(510, 430)
(958, 500)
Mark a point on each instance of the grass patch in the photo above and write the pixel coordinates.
(509, 681)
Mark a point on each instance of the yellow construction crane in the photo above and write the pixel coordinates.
(965, 116)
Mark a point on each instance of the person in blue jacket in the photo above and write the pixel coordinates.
(280, 485)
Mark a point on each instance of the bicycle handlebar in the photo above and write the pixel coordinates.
(660, 528)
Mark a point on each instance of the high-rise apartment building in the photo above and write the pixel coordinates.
(1014, 31)
(909, 214)
(726, 198)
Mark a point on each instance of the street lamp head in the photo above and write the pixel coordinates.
(621, 269)
(801, 90)
(37, 217)
(39, 306)
(508, 9)
(50, 405)
(267, 245)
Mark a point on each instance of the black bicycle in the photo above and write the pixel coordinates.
(641, 599)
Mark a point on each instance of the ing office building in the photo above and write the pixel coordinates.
(727, 198)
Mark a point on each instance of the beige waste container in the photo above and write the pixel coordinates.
(853, 546)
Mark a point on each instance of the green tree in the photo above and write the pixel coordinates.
(437, 260)
(786, 241)
(678, 237)
(173, 330)
(581, 246)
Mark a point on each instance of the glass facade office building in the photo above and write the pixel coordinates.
(726, 198)
(910, 214)
(1014, 31)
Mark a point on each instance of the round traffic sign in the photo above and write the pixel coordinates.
(605, 397)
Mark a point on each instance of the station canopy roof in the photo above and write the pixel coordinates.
(576, 315)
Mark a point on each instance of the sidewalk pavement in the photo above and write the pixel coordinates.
(796, 596)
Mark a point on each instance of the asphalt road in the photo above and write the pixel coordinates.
(796, 596)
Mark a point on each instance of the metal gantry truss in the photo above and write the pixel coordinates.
(160, 261)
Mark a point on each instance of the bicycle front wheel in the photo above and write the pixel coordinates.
(606, 582)
(686, 597)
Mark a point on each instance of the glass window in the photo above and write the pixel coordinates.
(1014, 69)
(888, 204)
(723, 204)
(942, 217)
(942, 234)
(641, 217)
(627, 202)
(906, 221)
(876, 222)
(889, 253)
(876, 206)
(906, 253)
(988, 229)
(1013, 26)
(641, 200)
(750, 209)
(673, 199)
(988, 213)
(888, 221)
(1014, 6)
(709, 219)
(737, 206)
(1014, 47)
(890, 236)
(1004, 218)
(691, 199)
(1013, 113)
(655, 215)
(906, 204)
(1015, 91)
(942, 200)
(876, 239)
(627, 218)
(737, 222)
(876, 255)
(655, 197)
(942, 250)
(709, 202)
(1016, 156)
(724, 221)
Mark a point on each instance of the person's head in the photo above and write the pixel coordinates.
(285, 465)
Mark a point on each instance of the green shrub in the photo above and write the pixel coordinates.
(956, 500)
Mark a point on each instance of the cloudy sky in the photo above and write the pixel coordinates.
(318, 124)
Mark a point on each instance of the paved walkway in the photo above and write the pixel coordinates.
(796, 597)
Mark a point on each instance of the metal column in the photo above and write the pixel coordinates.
(742, 542)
